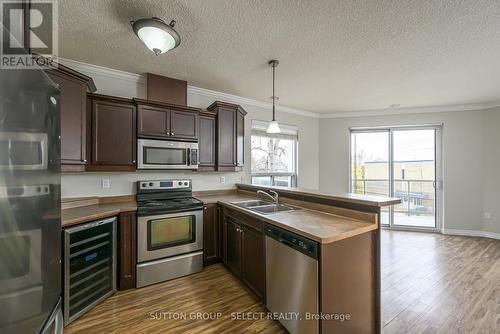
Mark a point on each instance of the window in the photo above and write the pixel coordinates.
(274, 156)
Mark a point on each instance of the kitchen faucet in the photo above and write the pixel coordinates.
(274, 197)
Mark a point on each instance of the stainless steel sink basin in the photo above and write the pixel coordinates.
(251, 203)
(265, 207)
(272, 208)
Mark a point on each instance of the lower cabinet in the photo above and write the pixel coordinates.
(127, 251)
(253, 261)
(211, 233)
(244, 250)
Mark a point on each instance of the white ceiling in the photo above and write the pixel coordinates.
(335, 56)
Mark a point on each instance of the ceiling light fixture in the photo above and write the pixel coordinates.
(158, 36)
(274, 126)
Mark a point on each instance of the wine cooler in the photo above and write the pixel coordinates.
(89, 266)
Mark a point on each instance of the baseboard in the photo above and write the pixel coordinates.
(471, 233)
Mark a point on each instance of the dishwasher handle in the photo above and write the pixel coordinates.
(292, 240)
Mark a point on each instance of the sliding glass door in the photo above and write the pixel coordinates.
(402, 162)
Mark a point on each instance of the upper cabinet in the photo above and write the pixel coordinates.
(183, 124)
(230, 145)
(163, 120)
(152, 121)
(207, 142)
(73, 88)
(112, 133)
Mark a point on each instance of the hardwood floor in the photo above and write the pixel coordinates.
(154, 309)
(431, 283)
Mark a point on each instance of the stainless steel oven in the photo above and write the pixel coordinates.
(169, 234)
(166, 154)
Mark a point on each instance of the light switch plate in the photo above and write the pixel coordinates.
(222, 179)
(487, 215)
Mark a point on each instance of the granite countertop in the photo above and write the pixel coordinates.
(316, 225)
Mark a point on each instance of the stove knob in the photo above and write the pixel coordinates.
(179, 183)
(186, 184)
(144, 185)
(151, 184)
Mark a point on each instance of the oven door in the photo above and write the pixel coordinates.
(165, 154)
(169, 234)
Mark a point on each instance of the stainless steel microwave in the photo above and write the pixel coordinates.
(23, 151)
(166, 154)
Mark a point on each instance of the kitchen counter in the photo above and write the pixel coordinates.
(316, 225)
(301, 193)
(83, 214)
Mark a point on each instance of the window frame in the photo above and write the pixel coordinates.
(293, 175)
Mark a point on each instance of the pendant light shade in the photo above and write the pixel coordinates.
(274, 127)
(158, 36)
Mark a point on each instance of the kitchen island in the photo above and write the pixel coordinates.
(346, 228)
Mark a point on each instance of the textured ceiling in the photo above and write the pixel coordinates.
(335, 56)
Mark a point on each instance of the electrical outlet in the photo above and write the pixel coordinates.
(487, 215)
(105, 183)
(222, 179)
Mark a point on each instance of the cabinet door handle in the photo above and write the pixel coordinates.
(84, 160)
(172, 134)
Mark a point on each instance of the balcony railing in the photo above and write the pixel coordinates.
(417, 196)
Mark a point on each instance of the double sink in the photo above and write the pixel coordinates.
(265, 207)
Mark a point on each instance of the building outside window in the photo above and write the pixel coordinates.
(274, 156)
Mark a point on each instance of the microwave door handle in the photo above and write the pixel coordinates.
(188, 159)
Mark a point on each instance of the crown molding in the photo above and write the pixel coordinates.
(87, 68)
(243, 100)
(413, 110)
(90, 69)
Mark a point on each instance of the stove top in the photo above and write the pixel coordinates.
(155, 207)
(165, 196)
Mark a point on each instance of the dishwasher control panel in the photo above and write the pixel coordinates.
(297, 242)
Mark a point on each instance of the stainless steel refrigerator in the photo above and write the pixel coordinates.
(30, 223)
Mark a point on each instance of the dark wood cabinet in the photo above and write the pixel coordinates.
(152, 121)
(127, 251)
(113, 134)
(183, 124)
(207, 142)
(232, 253)
(253, 261)
(210, 234)
(230, 138)
(73, 88)
(163, 120)
(244, 250)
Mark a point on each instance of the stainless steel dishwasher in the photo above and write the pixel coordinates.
(292, 279)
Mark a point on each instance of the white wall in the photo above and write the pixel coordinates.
(471, 162)
(128, 85)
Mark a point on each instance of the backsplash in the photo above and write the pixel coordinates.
(91, 184)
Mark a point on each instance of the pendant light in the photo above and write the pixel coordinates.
(158, 36)
(274, 126)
